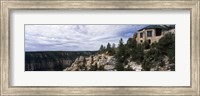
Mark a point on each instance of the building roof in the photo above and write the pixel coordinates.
(159, 27)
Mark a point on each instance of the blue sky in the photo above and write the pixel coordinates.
(75, 37)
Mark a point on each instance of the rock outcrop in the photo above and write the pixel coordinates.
(100, 62)
(134, 66)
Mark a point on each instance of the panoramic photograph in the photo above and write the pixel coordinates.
(99, 47)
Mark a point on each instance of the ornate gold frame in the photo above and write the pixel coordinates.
(8, 5)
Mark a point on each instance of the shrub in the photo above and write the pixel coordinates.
(138, 54)
(152, 59)
(146, 45)
(167, 46)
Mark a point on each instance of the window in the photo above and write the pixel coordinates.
(141, 35)
(158, 32)
(141, 41)
(149, 33)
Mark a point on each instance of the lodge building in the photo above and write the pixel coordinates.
(153, 33)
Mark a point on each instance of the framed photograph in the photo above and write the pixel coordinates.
(130, 47)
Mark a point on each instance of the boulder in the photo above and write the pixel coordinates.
(111, 60)
(102, 61)
(135, 66)
(126, 66)
(81, 58)
(96, 58)
(75, 67)
(109, 67)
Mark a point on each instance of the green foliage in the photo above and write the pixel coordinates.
(121, 56)
(113, 49)
(110, 50)
(138, 53)
(119, 66)
(172, 67)
(151, 59)
(154, 45)
(101, 68)
(130, 45)
(102, 49)
(108, 47)
(146, 45)
(167, 46)
(150, 56)
(134, 51)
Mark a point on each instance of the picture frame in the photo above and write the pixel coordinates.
(7, 6)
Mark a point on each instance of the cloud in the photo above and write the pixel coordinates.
(75, 37)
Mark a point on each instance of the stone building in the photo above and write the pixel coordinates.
(153, 33)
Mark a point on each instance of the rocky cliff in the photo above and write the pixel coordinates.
(100, 62)
(52, 60)
(82, 61)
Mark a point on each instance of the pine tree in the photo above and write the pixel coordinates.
(113, 49)
(120, 56)
(102, 49)
(129, 46)
(108, 49)
(167, 46)
(138, 54)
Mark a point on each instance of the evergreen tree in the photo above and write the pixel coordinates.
(113, 49)
(129, 43)
(146, 45)
(138, 53)
(135, 50)
(167, 46)
(152, 59)
(108, 46)
(129, 47)
(121, 56)
(102, 49)
(108, 49)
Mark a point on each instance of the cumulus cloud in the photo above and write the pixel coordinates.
(75, 37)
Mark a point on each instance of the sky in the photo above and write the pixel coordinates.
(75, 37)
